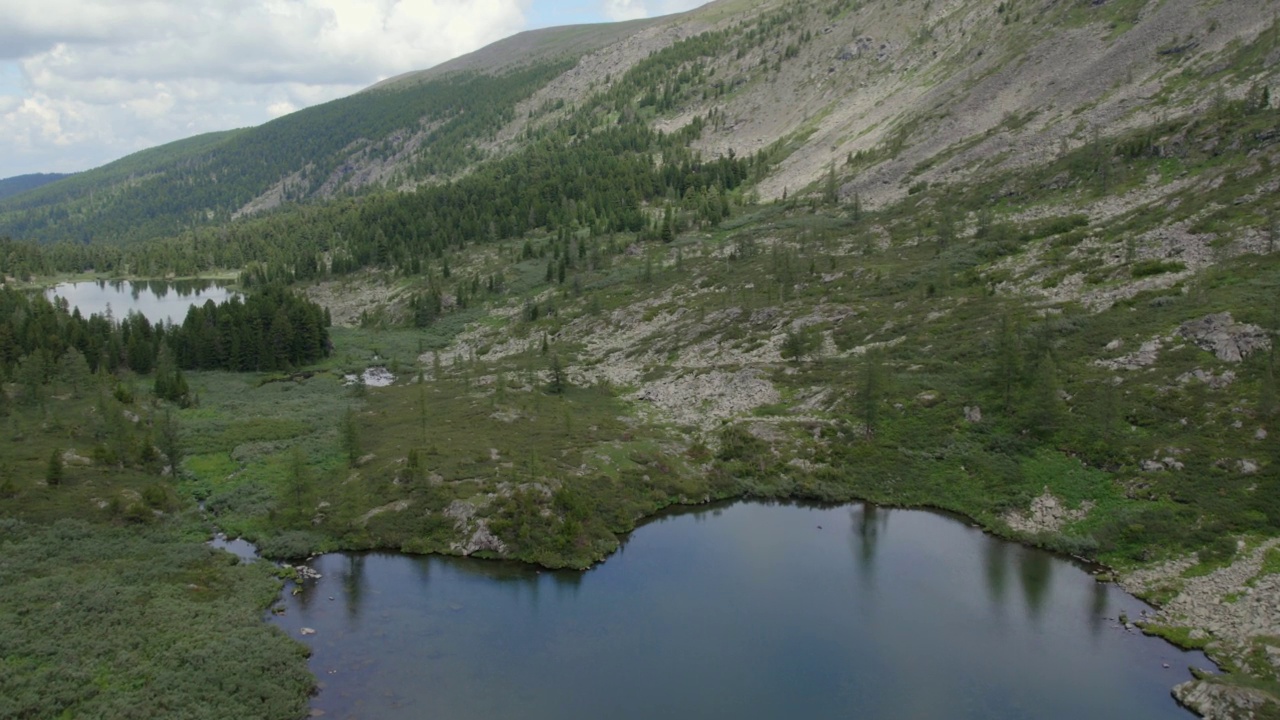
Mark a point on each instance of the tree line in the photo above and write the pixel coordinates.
(40, 340)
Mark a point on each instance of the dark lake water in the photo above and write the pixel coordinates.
(157, 300)
(742, 611)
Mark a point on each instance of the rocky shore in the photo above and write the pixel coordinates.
(1232, 611)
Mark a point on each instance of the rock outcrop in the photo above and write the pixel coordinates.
(1216, 701)
(1047, 514)
(1221, 335)
(475, 530)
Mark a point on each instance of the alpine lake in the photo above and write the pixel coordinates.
(157, 300)
(743, 610)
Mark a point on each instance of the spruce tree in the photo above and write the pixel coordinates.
(169, 441)
(559, 381)
(872, 392)
(54, 473)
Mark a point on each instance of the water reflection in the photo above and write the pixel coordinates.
(745, 611)
(353, 580)
(1035, 571)
(996, 565)
(870, 521)
(239, 547)
(1097, 617)
(157, 300)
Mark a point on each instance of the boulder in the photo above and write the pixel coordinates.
(1227, 339)
(1218, 701)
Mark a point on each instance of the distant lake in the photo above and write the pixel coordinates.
(156, 299)
(746, 610)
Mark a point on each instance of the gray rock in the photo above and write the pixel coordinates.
(1144, 356)
(1221, 335)
(928, 398)
(973, 414)
(71, 458)
(1047, 514)
(1216, 701)
(1215, 382)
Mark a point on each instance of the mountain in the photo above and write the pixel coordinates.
(895, 94)
(1015, 260)
(22, 183)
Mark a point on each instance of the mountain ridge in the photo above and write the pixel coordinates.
(916, 91)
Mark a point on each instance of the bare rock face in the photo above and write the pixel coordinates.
(1221, 335)
(1216, 701)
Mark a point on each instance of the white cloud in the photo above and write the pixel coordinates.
(102, 78)
(636, 9)
(278, 109)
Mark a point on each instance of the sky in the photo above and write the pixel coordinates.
(84, 82)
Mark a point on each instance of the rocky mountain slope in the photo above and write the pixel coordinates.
(893, 93)
(1015, 260)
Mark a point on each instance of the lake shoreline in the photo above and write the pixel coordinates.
(674, 512)
(1102, 573)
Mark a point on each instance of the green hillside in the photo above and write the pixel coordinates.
(25, 183)
(207, 180)
(1014, 261)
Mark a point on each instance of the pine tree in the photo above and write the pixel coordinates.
(796, 345)
(73, 371)
(1044, 416)
(1006, 368)
(31, 376)
(559, 381)
(872, 392)
(54, 473)
(169, 441)
(169, 382)
(8, 488)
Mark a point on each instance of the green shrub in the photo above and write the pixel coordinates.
(291, 545)
(1147, 268)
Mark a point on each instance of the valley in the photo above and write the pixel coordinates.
(1012, 262)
